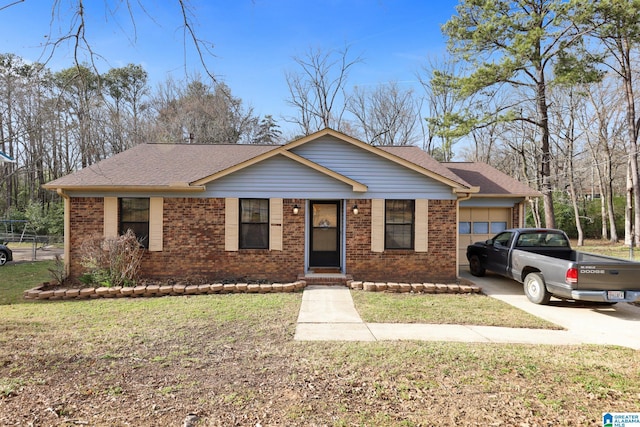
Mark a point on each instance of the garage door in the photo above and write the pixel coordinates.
(477, 224)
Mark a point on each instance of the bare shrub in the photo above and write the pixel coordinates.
(57, 272)
(111, 261)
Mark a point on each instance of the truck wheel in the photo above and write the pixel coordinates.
(535, 289)
(475, 266)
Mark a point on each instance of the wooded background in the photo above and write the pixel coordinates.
(543, 90)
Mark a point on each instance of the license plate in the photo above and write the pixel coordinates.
(615, 295)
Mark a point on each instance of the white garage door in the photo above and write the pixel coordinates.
(476, 224)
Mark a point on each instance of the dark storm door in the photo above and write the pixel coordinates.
(325, 234)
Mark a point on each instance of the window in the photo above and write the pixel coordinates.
(465, 227)
(134, 216)
(498, 226)
(399, 224)
(481, 227)
(254, 223)
(503, 240)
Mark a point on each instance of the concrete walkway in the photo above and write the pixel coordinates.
(327, 313)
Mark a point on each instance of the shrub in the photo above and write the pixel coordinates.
(111, 261)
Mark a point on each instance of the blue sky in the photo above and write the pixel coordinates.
(253, 40)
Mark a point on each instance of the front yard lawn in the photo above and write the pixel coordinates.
(231, 360)
(459, 309)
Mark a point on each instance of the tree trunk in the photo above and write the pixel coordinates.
(574, 203)
(608, 191)
(628, 212)
(545, 169)
(632, 134)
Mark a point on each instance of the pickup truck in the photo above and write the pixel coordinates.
(543, 261)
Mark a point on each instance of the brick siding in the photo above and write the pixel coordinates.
(193, 246)
(437, 264)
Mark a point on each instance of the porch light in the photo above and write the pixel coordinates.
(296, 209)
(355, 209)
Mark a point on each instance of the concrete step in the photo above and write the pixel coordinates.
(326, 279)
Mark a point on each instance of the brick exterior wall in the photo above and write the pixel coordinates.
(515, 215)
(437, 264)
(87, 219)
(193, 246)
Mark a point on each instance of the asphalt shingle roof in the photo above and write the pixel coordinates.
(420, 157)
(161, 164)
(490, 180)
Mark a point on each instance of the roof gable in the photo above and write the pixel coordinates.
(426, 165)
(357, 186)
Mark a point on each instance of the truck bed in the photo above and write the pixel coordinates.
(595, 271)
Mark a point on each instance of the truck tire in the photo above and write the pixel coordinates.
(535, 289)
(475, 266)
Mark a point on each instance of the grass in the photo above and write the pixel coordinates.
(617, 250)
(472, 309)
(231, 360)
(15, 278)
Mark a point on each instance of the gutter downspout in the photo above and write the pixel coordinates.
(67, 228)
(461, 197)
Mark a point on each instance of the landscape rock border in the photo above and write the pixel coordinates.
(463, 287)
(43, 292)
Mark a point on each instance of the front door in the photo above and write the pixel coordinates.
(325, 234)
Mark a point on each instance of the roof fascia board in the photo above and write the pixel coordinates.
(128, 188)
(469, 190)
(509, 195)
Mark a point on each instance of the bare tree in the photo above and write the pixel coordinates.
(603, 124)
(77, 32)
(316, 91)
(386, 115)
(199, 113)
(616, 26)
(449, 118)
(79, 91)
(126, 93)
(563, 124)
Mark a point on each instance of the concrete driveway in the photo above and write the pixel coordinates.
(590, 323)
(39, 254)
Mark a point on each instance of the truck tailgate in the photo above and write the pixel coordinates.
(608, 276)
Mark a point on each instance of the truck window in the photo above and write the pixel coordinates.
(542, 239)
(503, 239)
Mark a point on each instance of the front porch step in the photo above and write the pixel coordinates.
(326, 279)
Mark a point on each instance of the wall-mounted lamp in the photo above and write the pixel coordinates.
(355, 209)
(296, 209)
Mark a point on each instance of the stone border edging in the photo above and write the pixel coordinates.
(464, 287)
(41, 293)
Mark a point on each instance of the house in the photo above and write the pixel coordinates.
(5, 158)
(323, 203)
